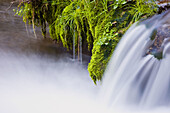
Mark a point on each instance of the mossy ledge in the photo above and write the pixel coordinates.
(98, 23)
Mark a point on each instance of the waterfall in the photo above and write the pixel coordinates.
(135, 78)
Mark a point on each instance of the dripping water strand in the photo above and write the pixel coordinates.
(33, 25)
(80, 49)
(74, 46)
(26, 27)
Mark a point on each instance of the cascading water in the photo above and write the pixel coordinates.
(134, 78)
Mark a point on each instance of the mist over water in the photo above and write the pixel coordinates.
(36, 75)
(40, 85)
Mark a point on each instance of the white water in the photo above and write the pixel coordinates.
(38, 84)
(135, 81)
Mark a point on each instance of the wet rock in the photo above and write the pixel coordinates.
(158, 36)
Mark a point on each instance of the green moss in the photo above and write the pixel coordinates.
(102, 51)
(100, 23)
(110, 31)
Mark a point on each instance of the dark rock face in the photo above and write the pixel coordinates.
(163, 8)
(158, 36)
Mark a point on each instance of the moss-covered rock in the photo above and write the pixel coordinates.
(98, 23)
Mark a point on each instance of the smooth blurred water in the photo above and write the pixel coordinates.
(134, 79)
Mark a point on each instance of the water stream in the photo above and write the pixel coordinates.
(134, 78)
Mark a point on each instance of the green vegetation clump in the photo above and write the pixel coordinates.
(99, 23)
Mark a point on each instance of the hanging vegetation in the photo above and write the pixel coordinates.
(99, 23)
